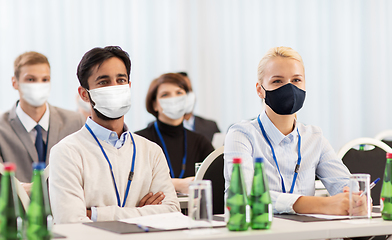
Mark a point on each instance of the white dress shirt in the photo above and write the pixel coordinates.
(29, 124)
(190, 123)
(245, 140)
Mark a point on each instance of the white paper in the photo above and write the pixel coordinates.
(167, 221)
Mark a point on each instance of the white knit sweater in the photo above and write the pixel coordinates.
(80, 178)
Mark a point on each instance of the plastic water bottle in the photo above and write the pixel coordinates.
(386, 190)
(39, 214)
(237, 200)
(11, 220)
(260, 200)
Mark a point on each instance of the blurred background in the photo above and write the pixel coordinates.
(346, 46)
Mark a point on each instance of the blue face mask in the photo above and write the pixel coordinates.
(285, 100)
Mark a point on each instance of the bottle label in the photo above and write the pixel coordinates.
(19, 224)
(247, 213)
(270, 212)
(227, 214)
(49, 222)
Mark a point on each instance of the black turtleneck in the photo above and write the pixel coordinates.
(198, 147)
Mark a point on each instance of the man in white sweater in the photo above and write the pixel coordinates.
(104, 172)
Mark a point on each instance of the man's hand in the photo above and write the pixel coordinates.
(88, 213)
(152, 199)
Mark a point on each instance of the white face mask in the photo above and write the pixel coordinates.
(35, 94)
(190, 102)
(113, 101)
(173, 107)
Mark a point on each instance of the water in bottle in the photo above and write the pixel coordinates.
(386, 190)
(11, 219)
(39, 215)
(237, 200)
(260, 200)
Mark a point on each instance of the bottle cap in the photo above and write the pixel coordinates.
(237, 160)
(389, 155)
(39, 166)
(259, 160)
(9, 167)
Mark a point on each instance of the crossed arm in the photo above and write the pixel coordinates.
(148, 199)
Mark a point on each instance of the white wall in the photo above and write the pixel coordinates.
(345, 46)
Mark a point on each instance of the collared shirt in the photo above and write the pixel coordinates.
(245, 140)
(107, 135)
(29, 124)
(190, 123)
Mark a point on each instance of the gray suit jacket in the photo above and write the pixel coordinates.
(206, 127)
(16, 145)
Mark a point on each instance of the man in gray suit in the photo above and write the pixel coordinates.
(30, 129)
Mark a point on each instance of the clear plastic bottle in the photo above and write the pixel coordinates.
(39, 214)
(11, 220)
(260, 199)
(386, 190)
(237, 200)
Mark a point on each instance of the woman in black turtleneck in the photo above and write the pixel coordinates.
(167, 101)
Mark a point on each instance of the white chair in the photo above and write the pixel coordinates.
(46, 173)
(212, 169)
(366, 159)
(384, 135)
(207, 162)
(23, 196)
(362, 141)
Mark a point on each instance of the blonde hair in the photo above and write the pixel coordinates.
(285, 52)
(28, 58)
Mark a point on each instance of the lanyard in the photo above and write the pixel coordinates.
(276, 161)
(167, 153)
(130, 177)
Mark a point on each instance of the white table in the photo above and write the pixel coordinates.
(183, 202)
(280, 229)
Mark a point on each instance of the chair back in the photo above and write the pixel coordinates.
(385, 136)
(46, 173)
(212, 169)
(367, 160)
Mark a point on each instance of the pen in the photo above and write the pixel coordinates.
(371, 186)
(144, 228)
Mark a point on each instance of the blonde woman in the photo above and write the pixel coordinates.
(294, 153)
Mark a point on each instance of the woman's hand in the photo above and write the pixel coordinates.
(182, 184)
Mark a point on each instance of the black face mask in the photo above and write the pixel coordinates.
(285, 100)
